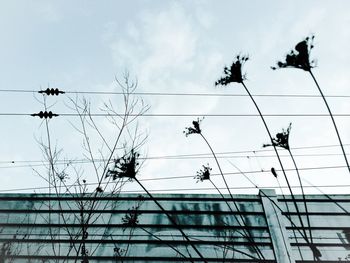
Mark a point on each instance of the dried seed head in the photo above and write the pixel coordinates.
(125, 166)
(195, 128)
(300, 57)
(281, 139)
(203, 174)
(234, 73)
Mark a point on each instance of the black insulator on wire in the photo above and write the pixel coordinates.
(51, 92)
(44, 114)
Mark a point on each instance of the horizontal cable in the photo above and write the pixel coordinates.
(182, 94)
(232, 173)
(237, 188)
(86, 161)
(186, 115)
(194, 189)
(184, 156)
(190, 155)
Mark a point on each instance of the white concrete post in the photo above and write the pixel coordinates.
(275, 223)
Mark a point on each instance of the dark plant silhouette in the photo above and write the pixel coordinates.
(89, 201)
(282, 140)
(235, 76)
(168, 244)
(313, 248)
(118, 252)
(203, 174)
(6, 251)
(234, 73)
(273, 171)
(125, 167)
(300, 58)
(131, 219)
(196, 129)
(99, 189)
(120, 171)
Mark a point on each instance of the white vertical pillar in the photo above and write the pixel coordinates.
(275, 223)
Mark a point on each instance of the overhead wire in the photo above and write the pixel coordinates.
(206, 115)
(86, 161)
(192, 176)
(156, 93)
(252, 151)
(52, 92)
(185, 114)
(187, 189)
(221, 155)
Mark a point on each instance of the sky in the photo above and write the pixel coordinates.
(175, 47)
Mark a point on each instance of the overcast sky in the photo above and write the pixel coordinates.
(177, 47)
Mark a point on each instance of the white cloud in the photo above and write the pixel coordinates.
(49, 11)
(160, 45)
(168, 51)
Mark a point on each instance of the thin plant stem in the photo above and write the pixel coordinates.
(218, 164)
(328, 197)
(223, 197)
(330, 113)
(234, 250)
(169, 245)
(302, 192)
(278, 156)
(171, 220)
(256, 186)
(249, 236)
(302, 233)
(288, 211)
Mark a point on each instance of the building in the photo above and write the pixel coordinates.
(132, 228)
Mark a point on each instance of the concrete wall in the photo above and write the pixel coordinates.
(251, 228)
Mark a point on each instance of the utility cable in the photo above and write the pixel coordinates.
(191, 176)
(199, 94)
(48, 114)
(38, 163)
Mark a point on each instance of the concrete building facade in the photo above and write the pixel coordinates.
(131, 228)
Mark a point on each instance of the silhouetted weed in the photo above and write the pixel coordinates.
(203, 174)
(300, 57)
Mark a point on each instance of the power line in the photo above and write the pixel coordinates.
(236, 188)
(185, 156)
(192, 176)
(181, 94)
(186, 114)
(188, 189)
(207, 156)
